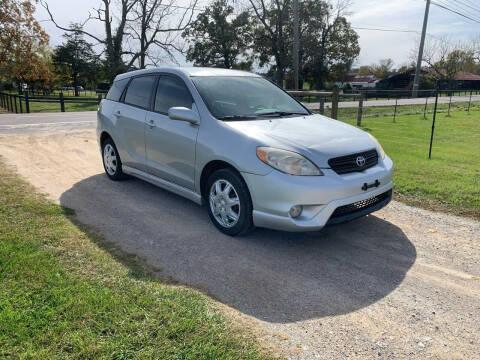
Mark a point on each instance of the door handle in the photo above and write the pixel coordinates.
(151, 123)
(118, 113)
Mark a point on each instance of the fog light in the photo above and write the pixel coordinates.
(295, 211)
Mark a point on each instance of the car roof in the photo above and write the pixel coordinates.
(187, 71)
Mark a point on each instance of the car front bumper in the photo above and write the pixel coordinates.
(275, 193)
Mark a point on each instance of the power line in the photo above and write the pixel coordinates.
(456, 6)
(456, 10)
(470, 2)
(386, 30)
(469, 6)
(445, 7)
(390, 30)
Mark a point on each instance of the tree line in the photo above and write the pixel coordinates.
(247, 34)
(254, 35)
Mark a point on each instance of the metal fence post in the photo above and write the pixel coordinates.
(395, 111)
(360, 111)
(15, 103)
(335, 103)
(20, 102)
(449, 104)
(11, 103)
(27, 103)
(321, 101)
(433, 125)
(470, 102)
(425, 109)
(62, 103)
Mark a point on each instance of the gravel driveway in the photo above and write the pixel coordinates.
(402, 283)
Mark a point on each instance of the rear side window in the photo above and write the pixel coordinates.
(171, 92)
(116, 90)
(139, 91)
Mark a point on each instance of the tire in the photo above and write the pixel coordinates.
(221, 202)
(111, 161)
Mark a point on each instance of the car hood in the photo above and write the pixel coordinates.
(317, 137)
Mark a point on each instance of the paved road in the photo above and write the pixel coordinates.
(46, 122)
(416, 101)
(401, 283)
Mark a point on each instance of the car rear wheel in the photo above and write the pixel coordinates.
(111, 160)
(229, 204)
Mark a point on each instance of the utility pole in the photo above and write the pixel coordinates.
(296, 43)
(418, 70)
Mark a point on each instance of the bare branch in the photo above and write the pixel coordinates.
(44, 4)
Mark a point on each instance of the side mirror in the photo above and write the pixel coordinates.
(183, 114)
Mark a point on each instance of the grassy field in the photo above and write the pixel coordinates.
(36, 106)
(388, 111)
(55, 107)
(450, 181)
(66, 294)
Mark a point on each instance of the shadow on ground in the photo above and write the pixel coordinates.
(273, 276)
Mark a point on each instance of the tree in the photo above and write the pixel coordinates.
(329, 45)
(76, 58)
(218, 38)
(22, 40)
(271, 35)
(381, 70)
(364, 70)
(133, 35)
(446, 59)
(113, 38)
(155, 25)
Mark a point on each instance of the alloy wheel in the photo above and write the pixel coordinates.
(110, 159)
(224, 203)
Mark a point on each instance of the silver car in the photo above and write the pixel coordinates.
(240, 144)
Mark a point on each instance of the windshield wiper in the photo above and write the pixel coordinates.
(237, 117)
(282, 113)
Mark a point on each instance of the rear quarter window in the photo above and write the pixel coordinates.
(116, 90)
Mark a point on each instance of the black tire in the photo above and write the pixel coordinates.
(245, 221)
(117, 174)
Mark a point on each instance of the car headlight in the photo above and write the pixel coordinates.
(382, 152)
(288, 162)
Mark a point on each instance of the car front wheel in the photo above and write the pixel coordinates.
(229, 204)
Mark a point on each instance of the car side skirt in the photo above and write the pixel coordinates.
(164, 184)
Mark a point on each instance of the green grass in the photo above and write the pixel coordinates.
(66, 294)
(450, 181)
(55, 107)
(388, 111)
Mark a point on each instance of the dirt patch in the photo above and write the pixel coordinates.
(402, 283)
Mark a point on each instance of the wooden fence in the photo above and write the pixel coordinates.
(321, 97)
(20, 104)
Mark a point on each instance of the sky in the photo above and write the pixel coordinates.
(375, 45)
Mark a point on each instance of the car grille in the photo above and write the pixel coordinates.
(348, 163)
(360, 205)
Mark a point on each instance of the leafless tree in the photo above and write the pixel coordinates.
(475, 43)
(155, 25)
(114, 31)
(446, 59)
(139, 31)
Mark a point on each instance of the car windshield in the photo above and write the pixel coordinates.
(245, 98)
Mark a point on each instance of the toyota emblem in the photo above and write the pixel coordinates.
(360, 160)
